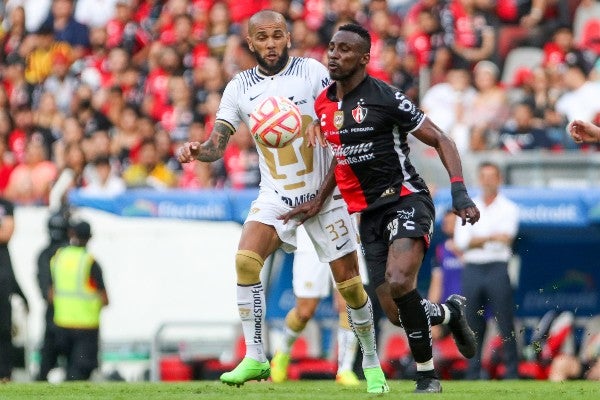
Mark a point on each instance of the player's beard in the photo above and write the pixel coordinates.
(272, 69)
(342, 75)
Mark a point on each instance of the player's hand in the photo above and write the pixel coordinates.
(301, 212)
(188, 152)
(584, 132)
(462, 205)
(314, 134)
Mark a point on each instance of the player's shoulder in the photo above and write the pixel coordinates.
(246, 78)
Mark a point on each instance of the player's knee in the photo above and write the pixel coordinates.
(400, 283)
(353, 292)
(247, 266)
(295, 321)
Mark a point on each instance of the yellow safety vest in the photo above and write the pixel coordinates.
(76, 303)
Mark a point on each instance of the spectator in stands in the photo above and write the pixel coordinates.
(104, 182)
(490, 106)
(84, 109)
(42, 50)
(71, 133)
(430, 43)
(125, 32)
(126, 136)
(70, 177)
(8, 287)
(487, 248)
(474, 33)
(149, 171)
(19, 92)
(31, 180)
(448, 103)
(36, 11)
(305, 41)
(47, 115)
(66, 29)
(60, 82)
(25, 129)
(14, 30)
(520, 132)
(7, 163)
(178, 114)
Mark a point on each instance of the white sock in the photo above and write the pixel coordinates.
(361, 321)
(347, 344)
(426, 366)
(251, 306)
(447, 314)
(289, 338)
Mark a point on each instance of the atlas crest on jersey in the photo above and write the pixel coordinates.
(359, 113)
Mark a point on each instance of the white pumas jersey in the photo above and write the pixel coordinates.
(294, 172)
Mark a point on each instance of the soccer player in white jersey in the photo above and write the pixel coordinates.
(289, 176)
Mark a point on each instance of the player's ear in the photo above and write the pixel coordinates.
(249, 41)
(365, 58)
(289, 40)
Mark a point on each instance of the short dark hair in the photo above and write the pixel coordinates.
(360, 31)
(485, 164)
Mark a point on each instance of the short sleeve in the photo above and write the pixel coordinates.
(229, 110)
(406, 113)
(318, 75)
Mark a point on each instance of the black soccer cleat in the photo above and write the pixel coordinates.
(427, 382)
(463, 335)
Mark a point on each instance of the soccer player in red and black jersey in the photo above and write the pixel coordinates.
(366, 123)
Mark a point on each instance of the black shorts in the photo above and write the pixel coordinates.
(410, 216)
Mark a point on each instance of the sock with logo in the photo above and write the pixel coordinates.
(251, 306)
(438, 313)
(414, 313)
(361, 320)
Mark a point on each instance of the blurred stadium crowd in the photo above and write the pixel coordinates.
(97, 94)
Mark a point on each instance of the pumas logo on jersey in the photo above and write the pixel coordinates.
(359, 113)
(338, 119)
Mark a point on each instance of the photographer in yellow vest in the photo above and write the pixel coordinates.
(78, 295)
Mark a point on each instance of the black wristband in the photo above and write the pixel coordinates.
(460, 197)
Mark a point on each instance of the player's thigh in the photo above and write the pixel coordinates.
(310, 275)
(263, 232)
(85, 349)
(332, 234)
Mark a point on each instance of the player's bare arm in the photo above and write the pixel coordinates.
(312, 207)
(463, 206)
(314, 134)
(209, 151)
(584, 132)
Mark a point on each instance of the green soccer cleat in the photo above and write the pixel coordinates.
(247, 370)
(376, 380)
(347, 378)
(279, 367)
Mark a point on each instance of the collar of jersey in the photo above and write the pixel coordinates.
(259, 73)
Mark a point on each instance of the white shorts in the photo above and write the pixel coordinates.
(331, 232)
(311, 277)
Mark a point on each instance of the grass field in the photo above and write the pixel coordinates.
(300, 390)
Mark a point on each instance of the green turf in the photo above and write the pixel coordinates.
(300, 390)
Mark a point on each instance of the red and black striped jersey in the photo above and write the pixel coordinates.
(367, 131)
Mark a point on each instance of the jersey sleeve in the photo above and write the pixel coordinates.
(406, 113)
(318, 75)
(229, 110)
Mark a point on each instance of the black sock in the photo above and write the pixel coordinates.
(437, 314)
(414, 313)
